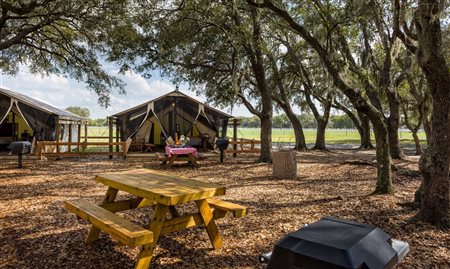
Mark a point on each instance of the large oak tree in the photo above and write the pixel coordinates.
(70, 38)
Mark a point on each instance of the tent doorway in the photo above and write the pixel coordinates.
(14, 128)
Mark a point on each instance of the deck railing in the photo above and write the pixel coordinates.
(80, 149)
(241, 146)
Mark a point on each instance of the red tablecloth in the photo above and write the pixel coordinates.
(179, 151)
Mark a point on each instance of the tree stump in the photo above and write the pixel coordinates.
(284, 164)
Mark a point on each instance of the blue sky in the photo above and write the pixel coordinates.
(62, 92)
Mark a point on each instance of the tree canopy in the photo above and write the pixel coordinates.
(70, 38)
(80, 111)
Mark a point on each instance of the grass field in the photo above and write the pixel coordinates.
(332, 136)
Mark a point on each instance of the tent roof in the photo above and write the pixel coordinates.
(173, 93)
(61, 113)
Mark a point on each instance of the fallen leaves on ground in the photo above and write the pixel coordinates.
(37, 232)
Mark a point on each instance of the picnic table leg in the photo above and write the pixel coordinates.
(145, 256)
(193, 159)
(173, 211)
(94, 232)
(172, 159)
(208, 220)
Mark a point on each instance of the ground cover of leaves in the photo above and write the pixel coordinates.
(37, 232)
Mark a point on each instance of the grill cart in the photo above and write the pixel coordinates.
(20, 148)
(222, 144)
(331, 243)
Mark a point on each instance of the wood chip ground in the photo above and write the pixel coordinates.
(37, 232)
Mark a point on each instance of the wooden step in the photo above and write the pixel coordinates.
(237, 210)
(121, 229)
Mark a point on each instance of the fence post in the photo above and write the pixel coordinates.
(83, 148)
(40, 148)
(235, 125)
(110, 121)
(58, 139)
(124, 151)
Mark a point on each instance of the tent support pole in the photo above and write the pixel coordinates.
(235, 125)
(69, 147)
(117, 135)
(110, 123)
(85, 132)
(15, 137)
(79, 137)
(58, 138)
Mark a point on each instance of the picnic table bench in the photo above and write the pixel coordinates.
(163, 192)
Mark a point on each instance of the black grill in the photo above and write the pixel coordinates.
(20, 148)
(222, 143)
(332, 243)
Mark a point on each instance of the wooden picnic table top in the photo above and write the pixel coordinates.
(159, 187)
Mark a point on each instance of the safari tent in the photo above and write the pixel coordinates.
(173, 113)
(25, 118)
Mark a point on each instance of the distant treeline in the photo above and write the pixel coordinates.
(279, 121)
(307, 120)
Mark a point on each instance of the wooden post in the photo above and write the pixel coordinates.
(117, 136)
(235, 125)
(83, 147)
(111, 125)
(85, 132)
(79, 137)
(124, 151)
(40, 149)
(69, 147)
(58, 137)
(284, 164)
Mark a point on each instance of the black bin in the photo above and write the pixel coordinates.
(20, 148)
(331, 243)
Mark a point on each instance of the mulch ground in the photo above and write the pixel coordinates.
(37, 232)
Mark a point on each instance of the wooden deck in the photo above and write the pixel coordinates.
(152, 155)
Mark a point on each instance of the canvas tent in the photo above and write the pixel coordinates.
(175, 112)
(22, 117)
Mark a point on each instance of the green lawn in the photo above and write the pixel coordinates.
(332, 136)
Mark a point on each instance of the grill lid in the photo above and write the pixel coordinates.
(20, 147)
(335, 244)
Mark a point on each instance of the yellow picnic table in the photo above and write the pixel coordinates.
(164, 192)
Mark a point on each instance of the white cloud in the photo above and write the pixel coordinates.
(62, 92)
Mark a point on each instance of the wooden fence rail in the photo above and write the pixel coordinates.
(80, 149)
(99, 137)
(243, 149)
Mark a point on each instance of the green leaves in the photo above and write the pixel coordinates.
(63, 37)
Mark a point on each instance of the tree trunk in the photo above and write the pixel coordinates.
(424, 163)
(436, 184)
(417, 142)
(266, 138)
(426, 109)
(320, 135)
(256, 57)
(366, 142)
(393, 123)
(384, 181)
(427, 128)
(284, 164)
(300, 142)
(359, 101)
(436, 199)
